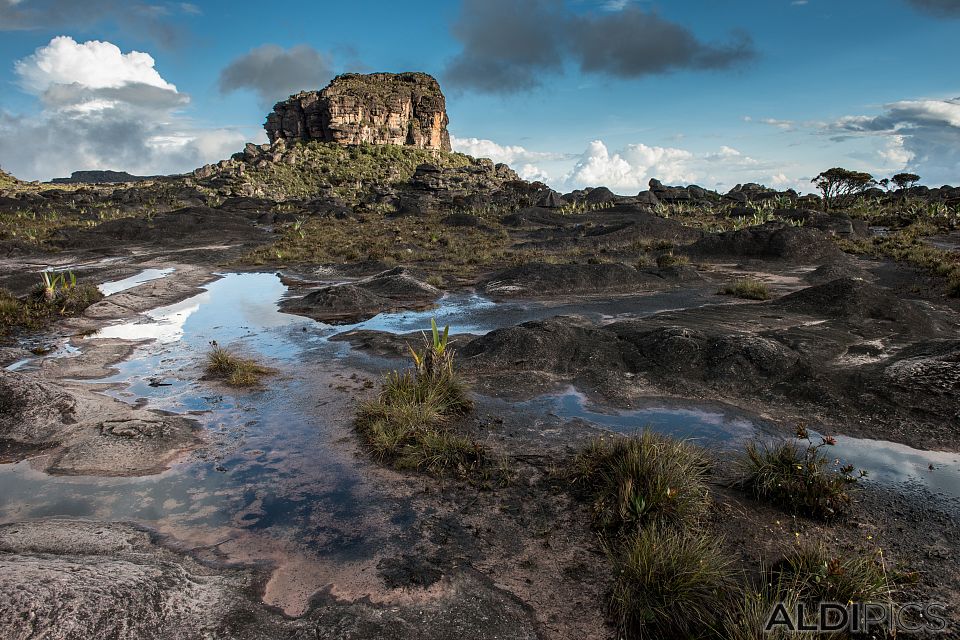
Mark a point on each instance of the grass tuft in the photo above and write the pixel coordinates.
(668, 584)
(821, 576)
(409, 424)
(641, 480)
(748, 289)
(797, 477)
(671, 260)
(232, 369)
(747, 614)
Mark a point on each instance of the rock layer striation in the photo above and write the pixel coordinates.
(377, 108)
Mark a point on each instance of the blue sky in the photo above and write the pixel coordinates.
(577, 93)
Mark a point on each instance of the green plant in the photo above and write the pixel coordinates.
(666, 260)
(746, 616)
(747, 288)
(840, 187)
(797, 476)
(645, 479)
(668, 584)
(821, 576)
(232, 369)
(409, 424)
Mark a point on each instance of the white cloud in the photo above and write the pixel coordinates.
(104, 109)
(896, 154)
(631, 168)
(533, 173)
(920, 135)
(509, 154)
(93, 64)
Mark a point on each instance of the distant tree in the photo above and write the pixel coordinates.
(840, 186)
(885, 183)
(905, 181)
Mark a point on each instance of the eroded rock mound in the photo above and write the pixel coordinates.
(856, 301)
(773, 240)
(32, 413)
(377, 108)
(392, 290)
(544, 279)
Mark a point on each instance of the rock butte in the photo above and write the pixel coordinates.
(378, 108)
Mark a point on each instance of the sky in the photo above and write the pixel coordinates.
(575, 93)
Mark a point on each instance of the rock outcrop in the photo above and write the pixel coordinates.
(100, 177)
(377, 108)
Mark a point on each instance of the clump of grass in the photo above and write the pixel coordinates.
(747, 615)
(797, 476)
(748, 289)
(232, 369)
(668, 584)
(671, 260)
(436, 281)
(821, 576)
(409, 424)
(641, 480)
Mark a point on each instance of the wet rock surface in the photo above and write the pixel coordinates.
(770, 355)
(84, 433)
(114, 580)
(391, 290)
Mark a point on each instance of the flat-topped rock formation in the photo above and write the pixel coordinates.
(377, 108)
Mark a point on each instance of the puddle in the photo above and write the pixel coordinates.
(725, 428)
(709, 425)
(116, 286)
(280, 480)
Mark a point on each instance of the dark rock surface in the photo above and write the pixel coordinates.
(100, 177)
(773, 240)
(392, 290)
(537, 279)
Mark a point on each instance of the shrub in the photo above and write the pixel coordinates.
(409, 422)
(646, 479)
(235, 371)
(668, 584)
(747, 288)
(797, 477)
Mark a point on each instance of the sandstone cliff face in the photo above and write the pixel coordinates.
(377, 108)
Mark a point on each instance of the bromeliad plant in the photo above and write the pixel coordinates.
(53, 284)
(435, 359)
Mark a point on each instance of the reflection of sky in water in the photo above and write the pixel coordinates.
(709, 425)
(116, 286)
(886, 462)
(277, 467)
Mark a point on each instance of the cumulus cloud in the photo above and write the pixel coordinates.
(509, 45)
(103, 109)
(93, 65)
(940, 8)
(922, 135)
(631, 168)
(151, 19)
(274, 73)
(509, 154)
